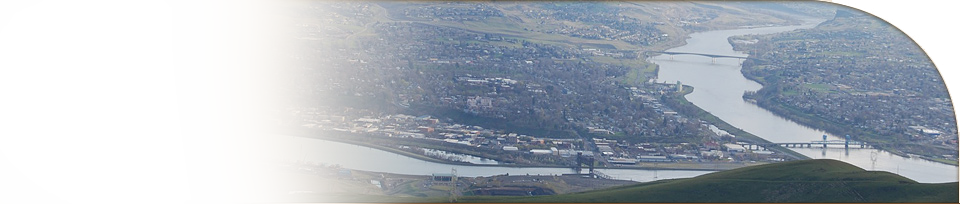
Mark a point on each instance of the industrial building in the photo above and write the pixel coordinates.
(653, 159)
(734, 148)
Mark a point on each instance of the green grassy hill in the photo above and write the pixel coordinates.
(796, 181)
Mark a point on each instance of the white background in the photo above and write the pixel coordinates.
(142, 101)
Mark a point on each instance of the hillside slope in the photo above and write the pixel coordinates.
(797, 181)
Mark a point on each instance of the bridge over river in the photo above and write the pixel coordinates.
(714, 56)
(820, 143)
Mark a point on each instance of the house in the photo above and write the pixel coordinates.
(425, 130)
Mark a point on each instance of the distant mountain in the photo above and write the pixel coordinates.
(796, 181)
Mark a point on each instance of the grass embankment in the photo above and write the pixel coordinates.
(681, 105)
(795, 181)
(639, 69)
(941, 160)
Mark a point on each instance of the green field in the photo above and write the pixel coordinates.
(819, 87)
(796, 181)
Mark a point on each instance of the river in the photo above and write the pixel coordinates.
(369, 159)
(719, 87)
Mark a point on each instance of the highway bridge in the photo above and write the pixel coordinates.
(714, 56)
(812, 144)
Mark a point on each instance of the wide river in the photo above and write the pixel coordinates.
(719, 87)
(370, 159)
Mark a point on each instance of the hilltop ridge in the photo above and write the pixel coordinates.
(818, 180)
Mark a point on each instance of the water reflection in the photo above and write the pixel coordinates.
(458, 157)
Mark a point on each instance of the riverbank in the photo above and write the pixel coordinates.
(720, 88)
(365, 141)
(764, 98)
(679, 102)
(794, 90)
(310, 182)
(808, 120)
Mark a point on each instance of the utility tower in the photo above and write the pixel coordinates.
(454, 191)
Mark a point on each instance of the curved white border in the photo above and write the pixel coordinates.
(50, 84)
(88, 109)
(929, 24)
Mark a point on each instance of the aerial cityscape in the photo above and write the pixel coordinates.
(561, 101)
